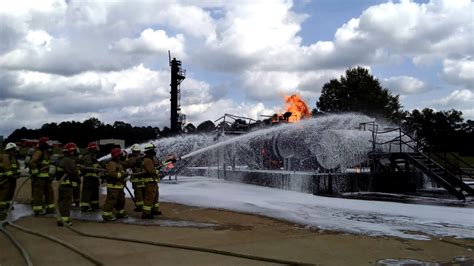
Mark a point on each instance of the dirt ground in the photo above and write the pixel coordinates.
(230, 231)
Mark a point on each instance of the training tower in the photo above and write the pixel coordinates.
(177, 76)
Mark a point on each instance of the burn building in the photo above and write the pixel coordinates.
(177, 76)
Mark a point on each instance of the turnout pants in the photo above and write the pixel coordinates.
(11, 190)
(76, 190)
(65, 195)
(115, 200)
(43, 195)
(139, 191)
(151, 198)
(90, 193)
(4, 187)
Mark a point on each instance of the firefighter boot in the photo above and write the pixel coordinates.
(121, 214)
(147, 216)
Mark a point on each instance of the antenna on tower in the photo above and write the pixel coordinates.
(169, 57)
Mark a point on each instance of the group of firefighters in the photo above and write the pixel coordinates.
(143, 171)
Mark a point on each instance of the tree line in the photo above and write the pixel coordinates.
(356, 91)
(93, 129)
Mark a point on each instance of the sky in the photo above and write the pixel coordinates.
(72, 60)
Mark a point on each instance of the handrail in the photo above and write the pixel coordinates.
(448, 164)
(396, 139)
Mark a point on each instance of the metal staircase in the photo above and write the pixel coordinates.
(405, 152)
(444, 177)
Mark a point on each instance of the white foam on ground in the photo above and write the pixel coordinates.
(372, 218)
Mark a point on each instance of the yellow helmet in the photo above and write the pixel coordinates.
(136, 148)
(149, 147)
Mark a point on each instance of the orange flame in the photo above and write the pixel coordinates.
(298, 108)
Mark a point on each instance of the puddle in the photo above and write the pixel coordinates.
(458, 261)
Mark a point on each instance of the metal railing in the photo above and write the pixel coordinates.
(460, 168)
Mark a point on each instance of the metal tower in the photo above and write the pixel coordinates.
(177, 76)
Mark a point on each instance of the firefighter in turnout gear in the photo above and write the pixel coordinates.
(151, 205)
(70, 175)
(76, 186)
(9, 172)
(90, 182)
(134, 162)
(43, 195)
(115, 185)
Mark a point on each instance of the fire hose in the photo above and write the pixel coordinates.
(146, 242)
(29, 231)
(185, 247)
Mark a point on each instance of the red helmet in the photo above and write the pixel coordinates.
(93, 146)
(70, 148)
(115, 152)
(43, 141)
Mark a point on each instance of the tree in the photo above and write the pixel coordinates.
(190, 128)
(206, 126)
(358, 91)
(82, 133)
(442, 130)
(93, 123)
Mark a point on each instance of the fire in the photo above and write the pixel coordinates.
(298, 108)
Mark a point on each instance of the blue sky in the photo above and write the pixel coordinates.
(108, 59)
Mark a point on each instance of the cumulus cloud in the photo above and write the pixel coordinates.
(405, 85)
(138, 95)
(151, 41)
(248, 34)
(460, 99)
(271, 85)
(197, 113)
(71, 59)
(459, 72)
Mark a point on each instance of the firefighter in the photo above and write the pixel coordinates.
(115, 185)
(43, 195)
(135, 161)
(90, 182)
(65, 190)
(76, 186)
(151, 205)
(9, 172)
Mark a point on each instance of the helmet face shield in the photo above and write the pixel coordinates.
(136, 148)
(150, 149)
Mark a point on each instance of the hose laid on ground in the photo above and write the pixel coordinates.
(198, 249)
(15, 242)
(168, 245)
(146, 242)
(54, 239)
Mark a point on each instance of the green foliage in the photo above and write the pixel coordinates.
(442, 130)
(358, 91)
(206, 126)
(84, 132)
(190, 128)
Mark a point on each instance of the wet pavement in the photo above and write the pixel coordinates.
(457, 261)
(23, 210)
